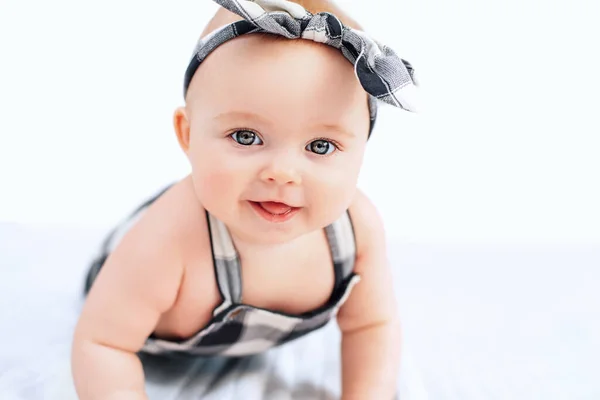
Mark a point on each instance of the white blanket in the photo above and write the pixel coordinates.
(480, 322)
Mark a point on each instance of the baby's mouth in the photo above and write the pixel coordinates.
(274, 211)
(275, 207)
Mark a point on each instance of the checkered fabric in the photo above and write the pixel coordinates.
(383, 75)
(237, 329)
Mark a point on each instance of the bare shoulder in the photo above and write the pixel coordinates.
(171, 235)
(180, 217)
(143, 275)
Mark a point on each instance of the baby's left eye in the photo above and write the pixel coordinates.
(321, 147)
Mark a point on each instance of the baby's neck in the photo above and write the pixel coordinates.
(249, 245)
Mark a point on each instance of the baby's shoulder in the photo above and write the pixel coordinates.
(145, 274)
(369, 230)
(176, 221)
(164, 239)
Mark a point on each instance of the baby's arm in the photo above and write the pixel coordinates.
(138, 282)
(369, 319)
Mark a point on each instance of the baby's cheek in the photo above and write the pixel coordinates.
(219, 177)
(334, 196)
(342, 181)
(216, 183)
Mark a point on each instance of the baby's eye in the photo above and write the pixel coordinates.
(321, 147)
(246, 138)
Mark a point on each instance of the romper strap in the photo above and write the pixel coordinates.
(226, 262)
(340, 235)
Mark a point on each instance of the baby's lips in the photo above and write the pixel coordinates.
(275, 207)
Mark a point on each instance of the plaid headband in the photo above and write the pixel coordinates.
(382, 74)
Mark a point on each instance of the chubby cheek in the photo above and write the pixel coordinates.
(335, 192)
(213, 183)
(217, 181)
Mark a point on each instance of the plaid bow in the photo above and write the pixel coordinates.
(380, 71)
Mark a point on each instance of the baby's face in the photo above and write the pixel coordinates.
(281, 121)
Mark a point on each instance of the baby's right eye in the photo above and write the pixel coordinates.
(246, 138)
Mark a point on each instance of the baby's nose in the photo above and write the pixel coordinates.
(282, 170)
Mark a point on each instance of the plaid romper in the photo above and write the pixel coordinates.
(237, 329)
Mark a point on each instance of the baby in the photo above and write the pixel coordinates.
(268, 238)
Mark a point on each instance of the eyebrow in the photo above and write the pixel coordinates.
(259, 119)
(335, 128)
(242, 115)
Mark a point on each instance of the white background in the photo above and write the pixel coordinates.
(506, 150)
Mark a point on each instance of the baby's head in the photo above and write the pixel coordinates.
(272, 119)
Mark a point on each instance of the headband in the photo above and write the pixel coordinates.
(382, 74)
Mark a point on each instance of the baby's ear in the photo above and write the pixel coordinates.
(181, 124)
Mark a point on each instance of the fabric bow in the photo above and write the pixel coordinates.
(382, 74)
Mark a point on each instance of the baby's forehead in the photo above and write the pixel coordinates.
(289, 82)
(262, 56)
(262, 64)
(266, 74)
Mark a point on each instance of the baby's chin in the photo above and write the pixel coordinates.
(252, 227)
(255, 226)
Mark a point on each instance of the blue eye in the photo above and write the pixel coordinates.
(321, 147)
(246, 138)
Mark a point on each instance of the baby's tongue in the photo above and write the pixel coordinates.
(274, 207)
